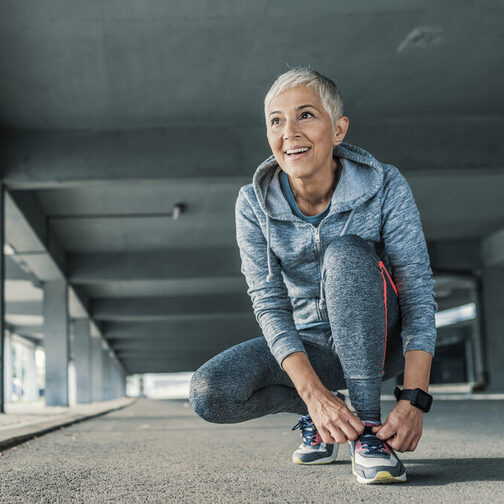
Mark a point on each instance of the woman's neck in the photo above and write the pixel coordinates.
(313, 196)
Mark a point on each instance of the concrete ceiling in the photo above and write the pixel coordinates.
(112, 112)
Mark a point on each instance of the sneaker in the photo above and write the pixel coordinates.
(312, 450)
(373, 460)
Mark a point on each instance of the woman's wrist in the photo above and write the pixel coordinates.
(312, 391)
(417, 370)
(302, 375)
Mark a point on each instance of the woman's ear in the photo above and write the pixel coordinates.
(340, 130)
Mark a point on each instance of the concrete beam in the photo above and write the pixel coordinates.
(167, 347)
(31, 330)
(39, 159)
(175, 364)
(492, 250)
(24, 308)
(158, 308)
(33, 219)
(62, 158)
(78, 302)
(170, 264)
(13, 271)
(189, 329)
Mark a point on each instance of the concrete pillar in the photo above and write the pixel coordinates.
(493, 323)
(2, 299)
(30, 389)
(115, 380)
(7, 367)
(96, 369)
(82, 359)
(55, 310)
(123, 385)
(106, 374)
(120, 382)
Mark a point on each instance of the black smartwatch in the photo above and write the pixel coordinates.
(417, 397)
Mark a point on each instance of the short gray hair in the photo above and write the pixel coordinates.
(326, 88)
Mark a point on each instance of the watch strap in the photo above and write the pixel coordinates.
(412, 396)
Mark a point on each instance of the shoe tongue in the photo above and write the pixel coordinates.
(368, 430)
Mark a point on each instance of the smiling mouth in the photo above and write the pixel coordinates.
(299, 150)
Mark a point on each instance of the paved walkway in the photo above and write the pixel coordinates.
(25, 420)
(159, 451)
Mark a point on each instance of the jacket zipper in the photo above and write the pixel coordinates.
(319, 250)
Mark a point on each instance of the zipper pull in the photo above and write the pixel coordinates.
(317, 235)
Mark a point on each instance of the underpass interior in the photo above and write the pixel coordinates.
(127, 132)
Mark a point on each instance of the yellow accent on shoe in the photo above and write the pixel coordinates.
(381, 478)
(386, 477)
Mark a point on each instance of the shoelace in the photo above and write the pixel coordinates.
(369, 441)
(308, 429)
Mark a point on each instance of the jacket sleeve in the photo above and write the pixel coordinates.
(270, 300)
(405, 245)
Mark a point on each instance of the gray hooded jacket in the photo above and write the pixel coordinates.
(282, 255)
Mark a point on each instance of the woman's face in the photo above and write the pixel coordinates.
(300, 133)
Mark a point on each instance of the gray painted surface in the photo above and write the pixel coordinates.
(56, 342)
(82, 358)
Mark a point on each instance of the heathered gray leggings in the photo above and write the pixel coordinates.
(362, 348)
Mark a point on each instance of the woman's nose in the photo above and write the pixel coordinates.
(290, 130)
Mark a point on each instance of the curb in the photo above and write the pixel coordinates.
(20, 435)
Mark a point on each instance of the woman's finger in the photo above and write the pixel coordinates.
(386, 431)
(356, 424)
(338, 435)
(414, 443)
(348, 431)
(326, 435)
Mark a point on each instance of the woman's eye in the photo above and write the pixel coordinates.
(304, 115)
(275, 121)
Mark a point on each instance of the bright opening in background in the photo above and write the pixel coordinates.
(160, 385)
(454, 315)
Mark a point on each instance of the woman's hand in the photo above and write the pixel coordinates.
(334, 421)
(402, 428)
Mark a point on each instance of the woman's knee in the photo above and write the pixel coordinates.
(348, 253)
(203, 396)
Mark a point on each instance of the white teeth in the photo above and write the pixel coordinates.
(297, 151)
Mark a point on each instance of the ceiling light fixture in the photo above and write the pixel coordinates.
(177, 210)
(8, 250)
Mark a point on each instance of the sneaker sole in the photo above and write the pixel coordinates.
(322, 461)
(382, 477)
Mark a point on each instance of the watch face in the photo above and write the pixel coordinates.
(423, 400)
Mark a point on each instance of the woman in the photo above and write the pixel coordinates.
(319, 229)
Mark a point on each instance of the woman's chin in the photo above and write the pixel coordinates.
(298, 171)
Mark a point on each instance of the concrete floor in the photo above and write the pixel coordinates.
(159, 451)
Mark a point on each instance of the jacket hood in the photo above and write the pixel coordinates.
(361, 177)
